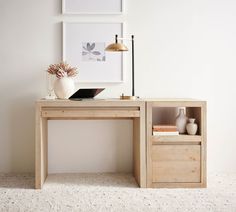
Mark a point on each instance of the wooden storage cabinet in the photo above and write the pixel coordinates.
(176, 161)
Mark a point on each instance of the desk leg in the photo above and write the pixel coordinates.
(136, 149)
(139, 149)
(41, 150)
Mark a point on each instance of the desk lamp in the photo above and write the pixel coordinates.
(120, 47)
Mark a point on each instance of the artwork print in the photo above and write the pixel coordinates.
(84, 46)
(92, 6)
(93, 52)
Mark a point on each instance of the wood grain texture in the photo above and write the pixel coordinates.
(89, 109)
(139, 148)
(177, 103)
(38, 149)
(149, 142)
(176, 153)
(142, 150)
(177, 161)
(101, 103)
(176, 171)
(41, 151)
(136, 149)
(204, 145)
(155, 163)
(176, 139)
(67, 113)
(177, 185)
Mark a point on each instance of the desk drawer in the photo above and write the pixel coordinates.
(90, 112)
(176, 163)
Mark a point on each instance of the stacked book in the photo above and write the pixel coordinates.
(159, 130)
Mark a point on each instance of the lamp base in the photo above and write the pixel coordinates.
(123, 97)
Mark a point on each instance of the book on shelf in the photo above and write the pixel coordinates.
(165, 128)
(156, 133)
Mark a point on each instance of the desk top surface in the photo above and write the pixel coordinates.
(114, 102)
(120, 100)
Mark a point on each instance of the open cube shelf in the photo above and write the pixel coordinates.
(167, 115)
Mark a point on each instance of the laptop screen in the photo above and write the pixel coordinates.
(85, 93)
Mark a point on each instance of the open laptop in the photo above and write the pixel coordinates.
(86, 93)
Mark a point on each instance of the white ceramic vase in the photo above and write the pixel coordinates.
(64, 87)
(191, 127)
(181, 121)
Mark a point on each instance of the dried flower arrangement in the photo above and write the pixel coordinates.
(62, 69)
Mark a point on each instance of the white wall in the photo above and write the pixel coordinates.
(90, 146)
(184, 48)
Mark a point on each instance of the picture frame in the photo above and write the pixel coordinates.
(92, 7)
(84, 47)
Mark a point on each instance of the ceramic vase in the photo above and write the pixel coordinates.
(181, 121)
(64, 87)
(191, 127)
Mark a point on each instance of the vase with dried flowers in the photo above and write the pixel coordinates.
(64, 84)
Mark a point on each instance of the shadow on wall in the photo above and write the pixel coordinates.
(22, 134)
(29, 45)
(22, 121)
(21, 104)
(27, 89)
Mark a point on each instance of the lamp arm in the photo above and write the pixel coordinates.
(128, 39)
(120, 38)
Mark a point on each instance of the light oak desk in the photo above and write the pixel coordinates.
(90, 109)
(158, 161)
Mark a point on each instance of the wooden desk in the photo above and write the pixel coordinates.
(159, 161)
(90, 109)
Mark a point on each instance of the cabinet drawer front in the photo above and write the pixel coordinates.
(176, 163)
(176, 152)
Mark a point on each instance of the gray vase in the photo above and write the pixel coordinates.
(181, 121)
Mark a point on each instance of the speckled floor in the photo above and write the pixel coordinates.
(112, 192)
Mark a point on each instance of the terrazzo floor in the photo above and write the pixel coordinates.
(112, 192)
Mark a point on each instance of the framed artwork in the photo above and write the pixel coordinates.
(84, 47)
(92, 6)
